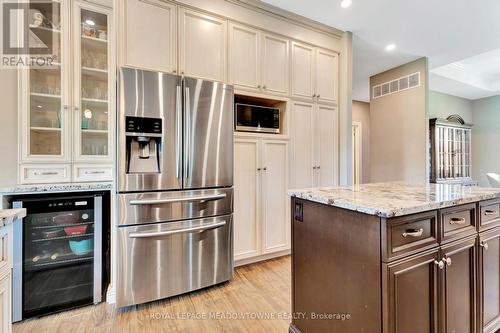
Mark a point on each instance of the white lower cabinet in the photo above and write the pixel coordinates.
(261, 214)
(314, 145)
(5, 304)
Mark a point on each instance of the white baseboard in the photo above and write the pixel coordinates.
(111, 295)
(263, 257)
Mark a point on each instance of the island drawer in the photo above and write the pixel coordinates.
(457, 222)
(489, 214)
(410, 234)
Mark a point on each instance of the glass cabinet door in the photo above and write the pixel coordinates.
(92, 83)
(47, 121)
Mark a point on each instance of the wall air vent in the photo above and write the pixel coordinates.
(391, 87)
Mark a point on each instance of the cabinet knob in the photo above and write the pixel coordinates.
(447, 261)
(314, 95)
(258, 169)
(264, 87)
(318, 96)
(314, 168)
(259, 86)
(439, 264)
(484, 245)
(318, 167)
(174, 71)
(265, 169)
(66, 107)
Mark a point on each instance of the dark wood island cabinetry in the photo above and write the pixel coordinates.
(396, 258)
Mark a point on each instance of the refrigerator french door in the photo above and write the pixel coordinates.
(57, 255)
(175, 178)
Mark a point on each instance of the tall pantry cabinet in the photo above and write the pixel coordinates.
(67, 110)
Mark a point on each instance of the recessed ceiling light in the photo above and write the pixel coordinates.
(390, 47)
(345, 3)
(90, 22)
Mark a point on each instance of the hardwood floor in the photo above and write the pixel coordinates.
(258, 289)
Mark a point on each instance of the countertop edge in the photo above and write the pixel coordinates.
(54, 188)
(8, 216)
(391, 213)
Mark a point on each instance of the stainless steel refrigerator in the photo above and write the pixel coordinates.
(175, 178)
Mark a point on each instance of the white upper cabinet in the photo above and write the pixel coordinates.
(327, 72)
(302, 139)
(275, 201)
(275, 64)
(302, 70)
(326, 145)
(202, 45)
(93, 93)
(246, 198)
(150, 35)
(244, 57)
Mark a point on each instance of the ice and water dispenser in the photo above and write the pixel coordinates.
(144, 144)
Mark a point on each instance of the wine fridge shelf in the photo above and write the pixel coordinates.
(53, 226)
(61, 238)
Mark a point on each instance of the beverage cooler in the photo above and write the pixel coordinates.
(59, 254)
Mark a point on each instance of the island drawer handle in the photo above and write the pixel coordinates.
(457, 220)
(413, 233)
(490, 212)
(46, 173)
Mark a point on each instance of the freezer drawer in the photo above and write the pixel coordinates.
(142, 208)
(167, 259)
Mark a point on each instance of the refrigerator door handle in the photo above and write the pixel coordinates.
(178, 231)
(178, 133)
(97, 249)
(187, 132)
(178, 199)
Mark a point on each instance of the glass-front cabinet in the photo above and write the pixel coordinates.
(450, 151)
(68, 106)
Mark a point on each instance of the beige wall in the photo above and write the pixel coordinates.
(443, 105)
(399, 127)
(361, 114)
(485, 138)
(8, 133)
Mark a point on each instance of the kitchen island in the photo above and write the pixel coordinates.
(396, 258)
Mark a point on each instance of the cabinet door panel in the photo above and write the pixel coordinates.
(489, 281)
(302, 138)
(326, 129)
(459, 284)
(93, 89)
(45, 116)
(326, 75)
(276, 225)
(275, 65)
(246, 205)
(302, 70)
(5, 304)
(244, 56)
(150, 35)
(412, 295)
(202, 45)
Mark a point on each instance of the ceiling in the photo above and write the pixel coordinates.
(445, 31)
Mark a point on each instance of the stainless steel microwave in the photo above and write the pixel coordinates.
(254, 118)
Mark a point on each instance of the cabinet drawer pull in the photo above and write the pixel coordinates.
(447, 261)
(413, 233)
(95, 172)
(484, 245)
(490, 212)
(439, 264)
(46, 173)
(457, 220)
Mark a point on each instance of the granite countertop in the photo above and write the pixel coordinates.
(8, 216)
(63, 187)
(396, 198)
